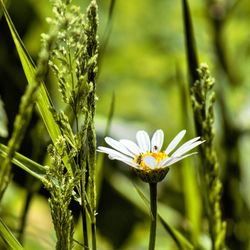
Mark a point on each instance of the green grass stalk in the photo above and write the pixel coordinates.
(203, 99)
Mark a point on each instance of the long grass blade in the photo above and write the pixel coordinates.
(107, 31)
(191, 191)
(8, 238)
(43, 101)
(28, 65)
(25, 163)
(192, 56)
(181, 242)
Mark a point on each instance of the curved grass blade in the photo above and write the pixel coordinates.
(191, 191)
(8, 238)
(31, 167)
(43, 101)
(179, 239)
(192, 56)
(107, 31)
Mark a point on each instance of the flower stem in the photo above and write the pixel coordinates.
(153, 209)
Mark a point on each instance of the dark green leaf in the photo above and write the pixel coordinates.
(43, 101)
(8, 238)
(25, 163)
(192, 56)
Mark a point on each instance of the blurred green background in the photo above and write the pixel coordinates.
(143, 62)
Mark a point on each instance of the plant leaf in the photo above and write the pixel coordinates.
(43, 101)
(107, 31)
(31, 167)
(192, 57)
(193, 203)
(179, 239)
(8, 238)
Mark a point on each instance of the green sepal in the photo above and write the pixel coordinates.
(151, 175)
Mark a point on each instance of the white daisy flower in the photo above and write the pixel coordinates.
(147, 155)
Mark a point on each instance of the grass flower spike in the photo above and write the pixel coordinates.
(146, 157)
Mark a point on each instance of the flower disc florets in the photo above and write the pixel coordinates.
(146, 158)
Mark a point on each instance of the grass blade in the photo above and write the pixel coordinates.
(43, 101)
(31, 167)
(192, 56)
(179, 239)
(28, 65)
(8, 238)
(107, 31)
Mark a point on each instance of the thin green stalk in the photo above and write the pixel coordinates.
(84, 213)
(153, 209)
(92, 175)
(203, 99)
(85, 228)
(92, 53)
(93, 230)
(25, 215)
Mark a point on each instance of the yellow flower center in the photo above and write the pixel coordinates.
(159, 156)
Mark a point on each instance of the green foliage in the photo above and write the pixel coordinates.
(203, 99)
(69, 61)
(9, 239)
(142, 57)
(43, 101)
(61, 186)
(33, 168)
(77, 66)
(74, 62)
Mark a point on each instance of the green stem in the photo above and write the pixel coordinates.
(27, 204)
(93, 228)
(84, 217)
(153, 209)
(85, 228)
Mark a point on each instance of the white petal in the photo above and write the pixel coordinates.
(157, 141)
(118, 146)
(128, 162)
(189, 142)
(185, 148)
(175, 142)
(165, 161)
(113, 153)
(143, 141)
(176, 159)
(131, 146)
(150, 161)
